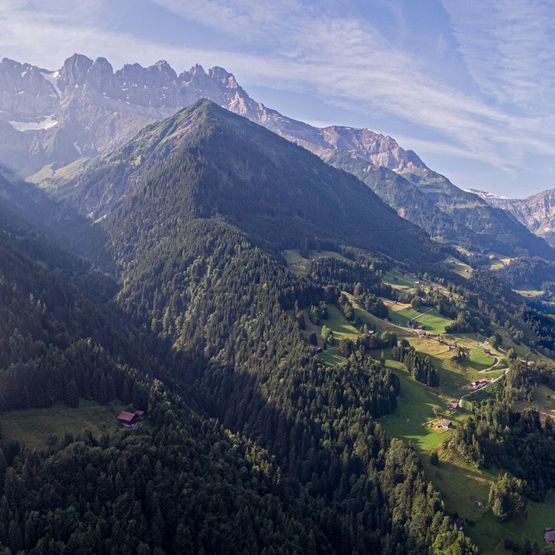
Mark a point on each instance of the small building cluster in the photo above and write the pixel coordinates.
(130, 419)
(549, 536)
(415, 325)
(440, 424)
(478, 384)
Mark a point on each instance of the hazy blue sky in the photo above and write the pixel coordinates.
(468, 84)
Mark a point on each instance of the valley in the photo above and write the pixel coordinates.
(422, 411)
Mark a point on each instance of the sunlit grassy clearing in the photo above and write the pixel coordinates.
(417, 404)
(430, 319)
(396, 279)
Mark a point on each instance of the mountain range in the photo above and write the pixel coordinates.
(536, 212)
(53, 123)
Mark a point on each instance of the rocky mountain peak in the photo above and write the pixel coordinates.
(8, 63)
(49, 119)
(536, 212)
(164, 69)
(100, 74)
(197, 69)
(75, 69)
(156, 92)
(224, 77)
(378, 149)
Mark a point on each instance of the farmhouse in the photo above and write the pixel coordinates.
(480, 383)
(550, 536)
(453, 406)
(421, 333)
(130, 419)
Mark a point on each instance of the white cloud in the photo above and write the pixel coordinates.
(507, 46)
(348, 62)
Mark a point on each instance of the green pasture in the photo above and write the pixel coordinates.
(462, 485)
(417, 404)
(33, 427)
(397, 279)
(430, 319)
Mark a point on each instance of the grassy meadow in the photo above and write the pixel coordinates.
(33, 427)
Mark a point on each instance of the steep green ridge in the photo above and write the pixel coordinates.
(206, 162)
(28, 209)
(446, 212)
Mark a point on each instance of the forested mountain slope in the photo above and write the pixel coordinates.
(250, 444)
(206, 162)
(131, 493)
(446, 212)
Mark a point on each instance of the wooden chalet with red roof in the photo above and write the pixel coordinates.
(130, 419)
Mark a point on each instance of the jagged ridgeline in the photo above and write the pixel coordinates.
(251, 444)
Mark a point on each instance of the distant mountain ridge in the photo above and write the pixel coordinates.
(53, 122)
(536, 212)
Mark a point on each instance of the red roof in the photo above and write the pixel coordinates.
(139, 413)
(126, 417)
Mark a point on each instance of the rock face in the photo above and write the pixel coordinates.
(86, 109)
(537, 212)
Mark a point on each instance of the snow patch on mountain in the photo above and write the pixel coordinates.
(485, 194)
(47, 122)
